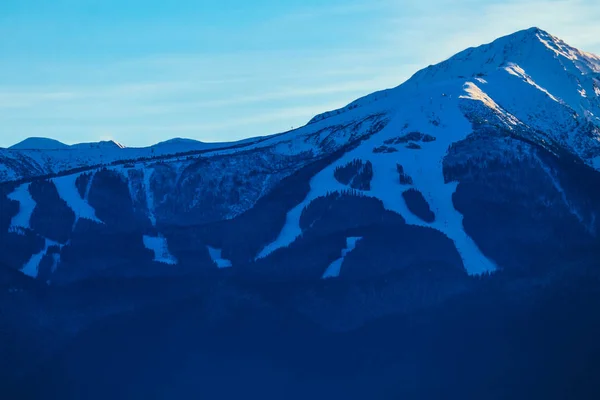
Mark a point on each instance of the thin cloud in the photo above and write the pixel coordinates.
(144, 100)
(27, 97)
(279, 114)
(286, 93)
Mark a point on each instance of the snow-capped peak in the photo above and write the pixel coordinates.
(531, 49)
(530, 78)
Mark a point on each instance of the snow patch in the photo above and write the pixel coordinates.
(149, 195)
(596, 162)
(557, 46)
(129, 179)
(320, 184)
(86, 195)
(217, 257)
(55, 260)
(26, 206)
(158, 244)
(264, 186)
(426, 169)
(334, 269)
(31, 267)
(562, 192)
(67, 190)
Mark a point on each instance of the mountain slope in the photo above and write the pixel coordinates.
(427, 159)
(444, 100)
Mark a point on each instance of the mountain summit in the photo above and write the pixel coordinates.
(533, 49)
(531, 79)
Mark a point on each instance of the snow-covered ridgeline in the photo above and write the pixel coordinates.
(334, 269)
(49, 156)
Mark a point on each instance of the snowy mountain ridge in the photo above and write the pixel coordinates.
(534, 77)
(40, 156)
(539, 83)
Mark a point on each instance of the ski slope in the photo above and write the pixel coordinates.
(335, 268)
(67, 190)
(158, 245)
(26, 206)
(217, 257)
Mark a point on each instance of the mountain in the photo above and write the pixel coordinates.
(511, 122)
(102, 145)
(39, 157)
(427, 152)
(471, 191)
(36, 143)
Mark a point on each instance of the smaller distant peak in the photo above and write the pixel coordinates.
(109, 144)
(39, 143)
(177, 141)
(115, 143)
(105, 144)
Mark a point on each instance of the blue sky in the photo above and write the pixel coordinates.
(144, 71)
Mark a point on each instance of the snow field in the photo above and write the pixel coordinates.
(26, 206)
(334, 269)
(216, 255)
